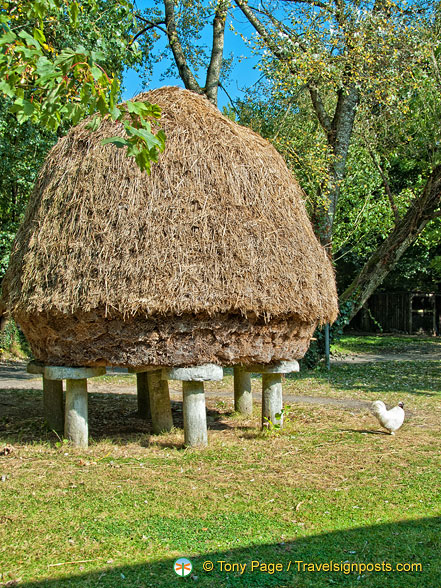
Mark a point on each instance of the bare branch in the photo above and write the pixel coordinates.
(260, 28)
(149, 21)
(310, 2)
(149, 27)
(222, 87)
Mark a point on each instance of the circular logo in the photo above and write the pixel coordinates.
(183, 566)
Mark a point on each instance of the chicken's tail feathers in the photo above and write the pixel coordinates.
(378, 407)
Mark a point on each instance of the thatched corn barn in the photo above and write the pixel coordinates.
(212, 258)
(210, 261)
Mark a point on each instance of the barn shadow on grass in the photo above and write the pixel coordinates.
(415, 542)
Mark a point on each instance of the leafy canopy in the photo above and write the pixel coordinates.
(49, 85)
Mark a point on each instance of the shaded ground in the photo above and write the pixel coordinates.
(358, 376)
(415, 355)
(113, 403)
(13, 376)
(20, 392)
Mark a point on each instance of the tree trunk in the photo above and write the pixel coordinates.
(383, 260)
(338, 129)
(217, 51)
(214, 68)
(339, 134)
(185, 72)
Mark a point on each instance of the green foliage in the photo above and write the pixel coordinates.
(49, 84)
(316, 349)
(435, 264)
(22, 150)
(403, 143)
(102, 28)
(13, 342)
(6, 239)
(276, 428)
(330, 47)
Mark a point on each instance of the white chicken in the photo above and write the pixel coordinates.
(389, 419)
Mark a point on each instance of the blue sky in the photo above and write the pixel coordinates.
(243, 74)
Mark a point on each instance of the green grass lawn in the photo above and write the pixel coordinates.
(329, 487)
(386, 343)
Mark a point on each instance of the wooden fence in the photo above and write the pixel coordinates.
(403, 312)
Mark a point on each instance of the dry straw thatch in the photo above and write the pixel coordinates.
(211, 258)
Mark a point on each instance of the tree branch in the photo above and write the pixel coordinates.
(185, 73)
(421, 210)
(148, 21)
(260, 28)
(151, 25)
(214, 69)
(319, 107)
(436, 68)
(317, 101)
(222, 87)
(310, 2)
(385, 185)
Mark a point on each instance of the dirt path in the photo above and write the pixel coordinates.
(13, 376)
(417, 355)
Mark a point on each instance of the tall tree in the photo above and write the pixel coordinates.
(343, 53)
(183, 24)
(360, 62)
(391, 192)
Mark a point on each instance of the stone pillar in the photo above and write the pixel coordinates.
(53, 404)
(76, 425)
(75, 414)
(160, 405)
(272, 398)
(272, 401)
(142, 388)
(195, 416)
(243, 397)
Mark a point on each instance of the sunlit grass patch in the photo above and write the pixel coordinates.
(349, 344)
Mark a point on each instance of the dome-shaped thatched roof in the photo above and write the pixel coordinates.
(211, 258)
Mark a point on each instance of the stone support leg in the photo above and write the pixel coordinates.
(142, 389)
(76, 427)
(160, 405)
(195, 414)
(243, 398)
(272, 402)
(53, 404)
